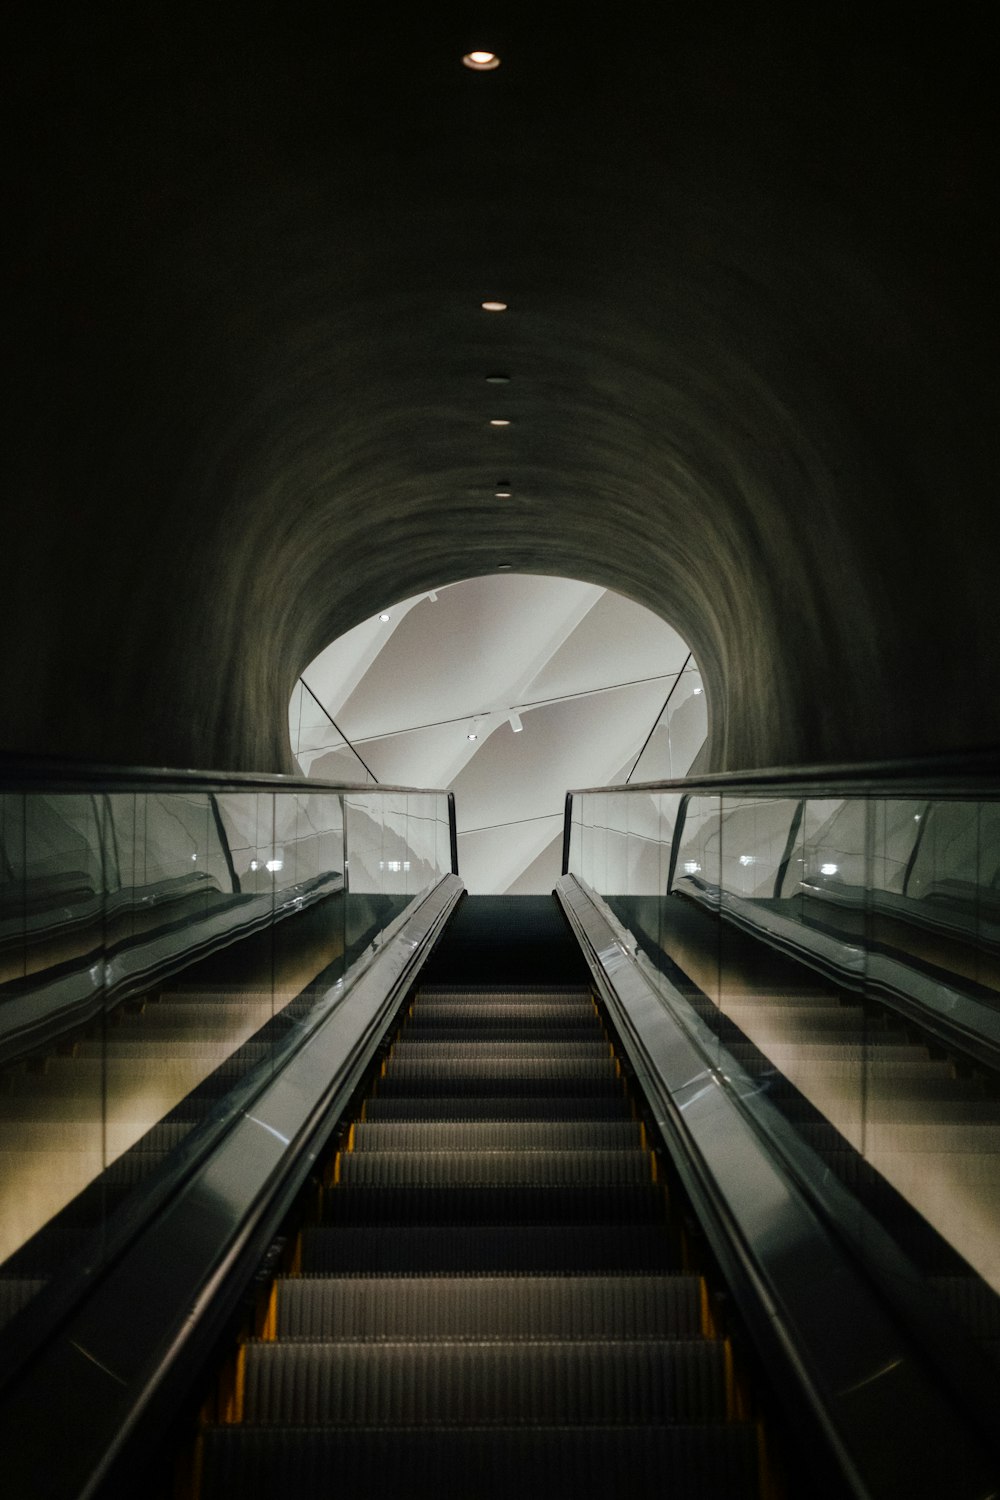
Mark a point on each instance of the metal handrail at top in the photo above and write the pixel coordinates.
(972, 774)
(50, 773)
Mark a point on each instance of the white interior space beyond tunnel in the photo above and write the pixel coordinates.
(508, 690)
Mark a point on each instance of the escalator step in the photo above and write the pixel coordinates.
(521, 1013)
(502, 1168)
(490, 1307)
(498, 1135)
(458, 1384)
(457, 1107)
(644, 1463)
(581, 1031)
(481, 1248)
(491, 1083)
(490, 997)
(467, 1071)
(511, 1203)
(442, 1053)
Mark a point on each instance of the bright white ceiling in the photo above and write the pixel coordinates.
(588, 671)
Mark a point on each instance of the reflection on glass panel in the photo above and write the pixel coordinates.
(596, 808)
(616, 844)
(443, 837)
(699, 852)
(679, 733)
(897, 833)
(396, 854)
(51, 1103)
(318, 745)
(159, 949)
(422, 826)
(755, 844)
(13, 889)
(810, 934)
(576, 855)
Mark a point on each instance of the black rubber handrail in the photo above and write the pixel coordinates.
(951, 775)
(53, 774)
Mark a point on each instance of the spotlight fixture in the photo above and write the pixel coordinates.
(481, 62)
(504, 567)
(472, 736)
(493, 306)
(514, 719)
(498, 380)
(499, 421)
(383, 617)
(503, 494)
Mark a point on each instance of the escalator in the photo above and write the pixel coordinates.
(492, 1292)
(489, 1218)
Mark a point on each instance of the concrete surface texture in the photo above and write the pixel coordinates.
(749, 255)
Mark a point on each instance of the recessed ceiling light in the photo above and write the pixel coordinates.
(472, 736)
(504, 494)
(383, 617)
(498, 380)
(481, 62)
(499, 421)
(504, 567)
(493, 306)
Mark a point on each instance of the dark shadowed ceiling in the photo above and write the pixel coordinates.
(750, 259)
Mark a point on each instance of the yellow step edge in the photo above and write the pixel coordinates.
(232, 1403)
(708, 1327)
(730, 1379)
(269, 1328)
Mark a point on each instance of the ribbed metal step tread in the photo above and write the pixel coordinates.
(499, 1086)
(503, 1168)
(458, 1384)
(467, 1249)
(581, 1031)
(463, 1107)
(507, 1203)
(434, 994)
(497, 1135)
(426, 1051)
(503, 1013)
(645, 1463)
(464, 1070)
(478, 1307)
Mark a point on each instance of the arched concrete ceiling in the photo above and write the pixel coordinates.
(750, 259)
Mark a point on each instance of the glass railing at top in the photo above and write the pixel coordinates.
(838, 934)
(164, 940)
(319, 747)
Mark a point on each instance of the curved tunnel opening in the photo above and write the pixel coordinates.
(507, 689)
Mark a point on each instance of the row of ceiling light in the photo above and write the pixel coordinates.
(485, 62)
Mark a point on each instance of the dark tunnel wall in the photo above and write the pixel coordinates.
(750, 256)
